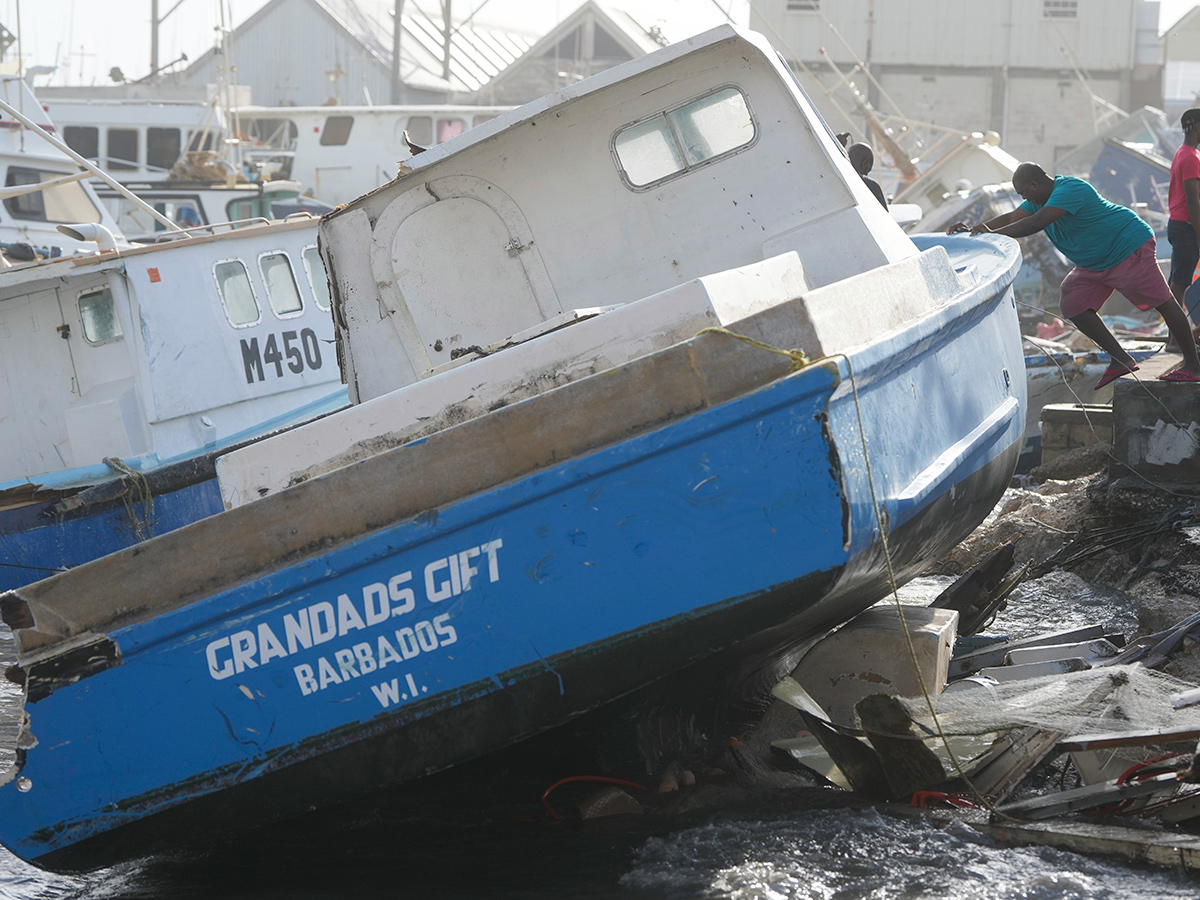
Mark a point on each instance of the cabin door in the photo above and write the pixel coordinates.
(469, 276)
(37, 385)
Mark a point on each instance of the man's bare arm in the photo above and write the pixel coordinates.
(991, 224)
(1026, 224)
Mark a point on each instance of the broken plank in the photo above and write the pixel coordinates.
(1133, 844)
(1089, 797)
(994, 655)
(1128, 739)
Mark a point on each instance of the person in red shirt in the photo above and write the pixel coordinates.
(1183, 196)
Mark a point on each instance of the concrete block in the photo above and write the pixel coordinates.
(1156, 434)
(1069, 426)
(869, 655)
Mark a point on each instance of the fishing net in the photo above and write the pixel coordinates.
(1112, 699)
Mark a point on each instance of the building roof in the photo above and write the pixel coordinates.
(478, 52)
(616, 36)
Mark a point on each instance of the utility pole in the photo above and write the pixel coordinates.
(155, 21)
(397, 28)
(446, 32)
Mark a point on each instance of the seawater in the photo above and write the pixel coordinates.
(767, 843)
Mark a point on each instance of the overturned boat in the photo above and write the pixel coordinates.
(685, 386)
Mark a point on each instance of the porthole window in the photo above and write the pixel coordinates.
(317, 279)
(277, 275)
(679, 140)
(99, 316)
(237, 294)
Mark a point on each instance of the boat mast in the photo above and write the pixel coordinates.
(397, 11)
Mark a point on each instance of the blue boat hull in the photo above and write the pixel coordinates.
(437, 636)
(45, 537)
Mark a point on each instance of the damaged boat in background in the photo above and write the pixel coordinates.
(127, 369)
(695, 390)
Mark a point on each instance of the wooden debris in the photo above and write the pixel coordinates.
(994, 655)
(1089, 797)
(983, 591)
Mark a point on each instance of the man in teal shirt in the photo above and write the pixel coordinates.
(1112, 249)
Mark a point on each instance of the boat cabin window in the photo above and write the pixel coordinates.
(83, 139)
(67, 203)
(162, 147)
(99, 316)
(277, 274)
(200, 140)
(420, 130)
(681, 139)
(122, 150)
(314, 267)
(278, 133)
(336, 131)
(448, 128)
(237, 294)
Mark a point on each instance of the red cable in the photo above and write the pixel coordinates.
(600, 778)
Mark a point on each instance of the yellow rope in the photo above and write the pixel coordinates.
(798, 357)
(984, 801)
(137, 490)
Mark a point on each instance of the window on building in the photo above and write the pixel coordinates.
(803, 5)
(314, 267)
(66, 203)
(122, 150)
(83, 139)
(448, 128)
(277, 275)
(1060, 9)
(684, 138)
(162, 147)
(237, 294)
(99, 316)
(420, 130)
(336, 131)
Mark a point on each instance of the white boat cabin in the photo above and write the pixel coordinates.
(701, 188)
(666, 166)
(155, 353)
(339, 153)
(30, 215)
(135, 139)
(190, 204)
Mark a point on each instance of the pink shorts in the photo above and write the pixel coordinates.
(1137, 277)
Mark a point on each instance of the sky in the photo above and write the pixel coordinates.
(86, 38)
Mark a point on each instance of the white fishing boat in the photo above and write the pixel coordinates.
(695, 391)
(126, 369)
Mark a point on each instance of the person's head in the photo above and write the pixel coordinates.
(1188, 122)
(188, 217)
(861, 158)
(1031, 182)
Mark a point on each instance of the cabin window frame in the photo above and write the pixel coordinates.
(312, 284)
(32, 207)
(1060, 10)
(688, 168)
(335, 130)
(253, 291)
(83, 320)
(291, 266)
